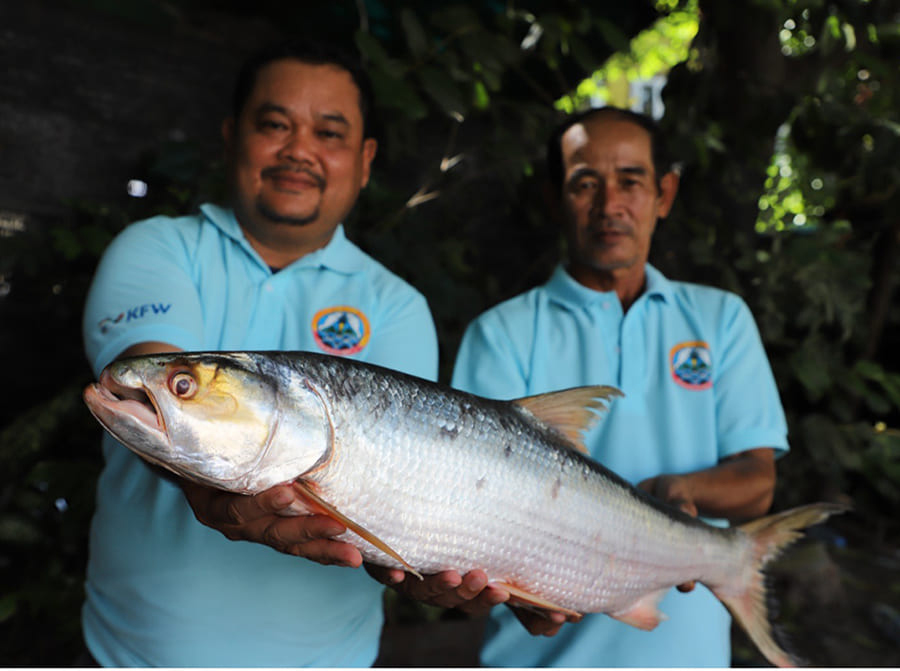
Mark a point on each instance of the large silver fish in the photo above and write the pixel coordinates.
(428, 478)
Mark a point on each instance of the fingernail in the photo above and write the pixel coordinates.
(297, 508)
(283, 498)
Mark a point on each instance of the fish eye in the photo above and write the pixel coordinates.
(183, 385)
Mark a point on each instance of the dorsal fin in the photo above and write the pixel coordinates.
(570, 411)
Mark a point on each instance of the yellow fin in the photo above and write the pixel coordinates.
(520, 597)
(570, 411)
(327, 509)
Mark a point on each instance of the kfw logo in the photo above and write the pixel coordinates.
(137, 312)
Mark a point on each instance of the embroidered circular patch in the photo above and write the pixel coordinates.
(691, 365)
(340, 329)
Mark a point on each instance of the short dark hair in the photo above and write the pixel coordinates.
(312, 52)
(659, 153)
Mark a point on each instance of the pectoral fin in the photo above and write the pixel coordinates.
(315, 502)
(519, 597)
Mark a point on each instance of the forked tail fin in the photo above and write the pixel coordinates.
(771, 535)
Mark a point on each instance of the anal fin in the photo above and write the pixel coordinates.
(320, 505)
(519, 597)
(643, 613)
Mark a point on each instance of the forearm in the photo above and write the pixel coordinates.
(738, 488)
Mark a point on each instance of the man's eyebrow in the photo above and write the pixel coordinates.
(271, 107)
(633, 170)
(336, 117)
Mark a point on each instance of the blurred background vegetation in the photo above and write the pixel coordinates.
(783, 115)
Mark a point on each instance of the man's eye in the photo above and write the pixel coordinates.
(329, 134)
(271, 124)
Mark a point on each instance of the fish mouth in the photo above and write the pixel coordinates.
(112, 402)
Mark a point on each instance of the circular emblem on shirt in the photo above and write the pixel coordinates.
(340, 330)
(691, 365)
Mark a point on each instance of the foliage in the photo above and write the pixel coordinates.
(803, 225)
(652, 53)
(783, 117)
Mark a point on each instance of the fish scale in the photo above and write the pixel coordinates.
(428, 478)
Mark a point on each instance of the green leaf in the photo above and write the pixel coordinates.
(482, 99)
(806, 364)
(582, 54)
(8, 607)
(372, 51)
(17, 530)
(456, 19)
(443, 90)
(396, 94)
(416, 39)
(613, 35)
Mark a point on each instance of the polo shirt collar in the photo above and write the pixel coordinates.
(567, 291)
(339, 254)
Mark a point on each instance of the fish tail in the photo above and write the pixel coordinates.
(750, 604)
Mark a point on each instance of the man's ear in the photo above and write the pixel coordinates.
(369, 148)
(668, 188)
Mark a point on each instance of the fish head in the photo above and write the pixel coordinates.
(214, 418)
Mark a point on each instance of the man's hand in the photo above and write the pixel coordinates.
(471, 593)
(543, 623)
(275, 518)
(676, 491)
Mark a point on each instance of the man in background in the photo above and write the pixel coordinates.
(700, 421)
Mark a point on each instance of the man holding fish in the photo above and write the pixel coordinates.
(274, 271)
(701, 420)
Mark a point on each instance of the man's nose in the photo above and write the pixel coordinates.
(607, 200)
(298, 147)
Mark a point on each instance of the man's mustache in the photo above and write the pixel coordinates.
(277, 170)
(601, 226)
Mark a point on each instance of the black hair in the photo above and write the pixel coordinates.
(312, 52)
(659, 153)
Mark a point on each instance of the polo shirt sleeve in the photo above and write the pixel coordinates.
(486, 362)
(142, 291)
(407, 339)
(748, 408)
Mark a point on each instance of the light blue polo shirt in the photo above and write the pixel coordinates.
(698, 387)
(162, 589)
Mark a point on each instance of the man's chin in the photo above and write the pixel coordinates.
(287, 218)
(609, 263)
